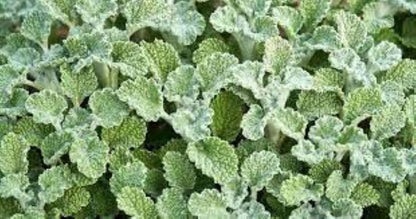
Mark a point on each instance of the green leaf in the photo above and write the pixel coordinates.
(315, 104)
(107, 109)
(88, 46)
(289, 18)
(144, 13)
(404, 74)
(228, 113)
(326, 131)
(254, 8)
(346, 208)
(328, 79)
(208, 204)
(259, 168)
(362, 103)
(90, 155)
(15, 105)
(392, 93)
(6, 126)
(313, 12)
(72, 201)
(79, 179)
(387, 122)
(36, 27)
(321, 171)
(77, 119)
(181, 85)
(150, 159)
(277, 54)
(306, 151)
(114, 35)
(347, 60)
(298, 189)
(55, 145)
(162, 58)
(13, 154)
(213, 74)
(78, 85)
(351, 29)
(144, 96)
(129, 58)
(235, 192)
(47, 107)
(387, 164)
(261, 29)
(15, 185)
(383, 56)
(252, 209)
(102, 201)
(226, 19)
(192, 121)
(215, 157)
(325, 38)
(378, 16)
(208, 47)
(275, 94)
(404, 208)
(295, 78)
(24, 58)
(31, 213)
(408, 32)
(365, 195)
(134, 202)
(352, 136)
(337, 187)
(131, 175)
(118, 158)
(155, 183)
(96, 12)
(290, 122)
(9, 78)
(247, 147)
(60, 9)
(176, 144)
(31, 131)
(179, 172)
(249, 75)
(253, 123)
(130, 133)
(307, 211)
(9, 207)
(186, 23)
(172, 204)
(53, 183)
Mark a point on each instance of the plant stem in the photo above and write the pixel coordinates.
(106, 77)
(246, 45)
(32, 84)
(253, 194)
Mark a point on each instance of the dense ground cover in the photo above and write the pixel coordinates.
(208, 108)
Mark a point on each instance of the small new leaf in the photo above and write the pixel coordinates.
(13, 154)
(108, 110)
(90, 155)
(259, 168)
(47, 107)
(179, 172)
(215, 158)
(135, 203)
(144, 96)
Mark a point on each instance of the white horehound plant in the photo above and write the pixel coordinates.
(208, 109)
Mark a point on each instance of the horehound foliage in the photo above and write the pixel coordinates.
(208, 108)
